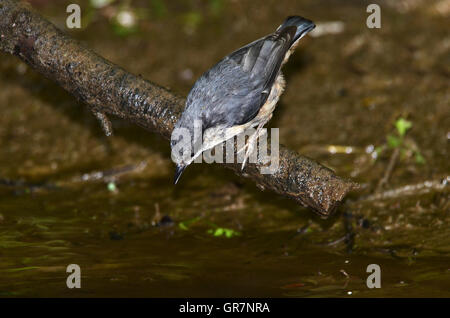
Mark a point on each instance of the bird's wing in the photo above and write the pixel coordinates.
(233, 91)
(263, 58)
(260, 62)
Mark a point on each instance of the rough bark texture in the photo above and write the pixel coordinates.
(108, 89)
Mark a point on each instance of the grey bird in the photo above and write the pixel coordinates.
(237, 93)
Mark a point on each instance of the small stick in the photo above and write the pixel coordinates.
(388, 171)
(406, 190)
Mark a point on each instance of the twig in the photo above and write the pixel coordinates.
(388, 171)
(107, 175)
(410, 189)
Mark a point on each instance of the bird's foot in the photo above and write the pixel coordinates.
(250, 145)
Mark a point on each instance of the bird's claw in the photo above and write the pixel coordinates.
(250, 145)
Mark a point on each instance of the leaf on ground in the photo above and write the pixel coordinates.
(393, 141)
(220, 231)
(402, 126)
(186, 224)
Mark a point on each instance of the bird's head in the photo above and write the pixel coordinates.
(181, 146)
(184, 141)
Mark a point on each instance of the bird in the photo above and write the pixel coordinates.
(239, 92)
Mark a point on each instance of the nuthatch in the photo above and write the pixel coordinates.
(237, 93)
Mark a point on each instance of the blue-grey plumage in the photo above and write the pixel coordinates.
(241, 90)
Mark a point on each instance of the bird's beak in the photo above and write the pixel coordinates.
(178, 171)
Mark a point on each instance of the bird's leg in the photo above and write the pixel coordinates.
(243, 148)
(250, 145)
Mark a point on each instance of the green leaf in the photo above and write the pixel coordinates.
(402, 126)
(419, 158)
(393, 142)
(220, 231)
(183, 226)
(230, 233)
(186, 224)
(112, 187)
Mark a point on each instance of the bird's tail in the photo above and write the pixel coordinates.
(303, 25)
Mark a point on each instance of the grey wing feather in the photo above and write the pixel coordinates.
(263, 57)
(232, 92)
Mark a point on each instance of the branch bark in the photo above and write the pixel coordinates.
(110, 90)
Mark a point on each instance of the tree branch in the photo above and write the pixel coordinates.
(109, 90)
